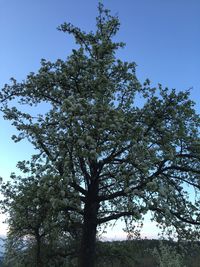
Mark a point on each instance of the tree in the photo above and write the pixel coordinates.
(38, 235)
(116, 158)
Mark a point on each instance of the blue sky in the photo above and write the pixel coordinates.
(162, 37)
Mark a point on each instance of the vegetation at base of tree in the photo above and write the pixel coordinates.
(137, 253)
(99, 156)
(148, 253)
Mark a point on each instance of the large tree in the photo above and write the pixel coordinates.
(117, 158)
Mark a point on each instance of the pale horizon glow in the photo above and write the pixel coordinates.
(148, 231)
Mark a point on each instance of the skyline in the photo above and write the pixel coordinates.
(162, 38)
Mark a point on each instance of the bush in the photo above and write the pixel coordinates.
(167, 256)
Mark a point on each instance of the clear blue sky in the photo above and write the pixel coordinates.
(162, 37)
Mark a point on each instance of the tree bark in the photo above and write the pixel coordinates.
(89, 229)
(38, 251)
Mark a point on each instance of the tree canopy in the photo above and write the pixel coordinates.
(37, 233)
(112, 158)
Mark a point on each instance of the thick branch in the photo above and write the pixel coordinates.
(79, 188)
(45, 149)
(84, 170)
(114, 154)
(177, 215)
(115, 216)
(181, 168)
(112, 196)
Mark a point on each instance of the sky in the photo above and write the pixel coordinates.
(161, 36)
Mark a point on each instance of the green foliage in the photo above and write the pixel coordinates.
(167, 256)
(36, 231)
(147, 253)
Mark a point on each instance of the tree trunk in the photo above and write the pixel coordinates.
(88, 240)
(38, 251)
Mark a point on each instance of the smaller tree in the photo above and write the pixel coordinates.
(40, 232)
